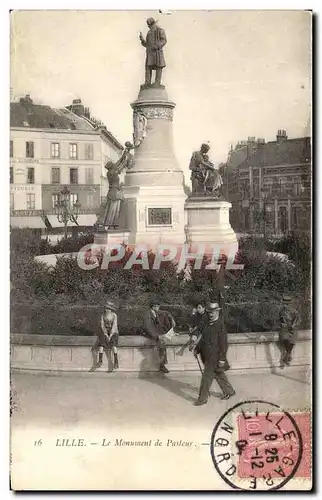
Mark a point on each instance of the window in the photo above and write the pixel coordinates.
(29, 150)
(73, 151)
(73, 199)
(55, 199)
(88, 151)
(55, 150)
(31, 175)
(296, 217)
(12, 201)
(88, 176)
(283, 219)
(55, 175)
(30, 201)
(90, 200)
(11, 149)
(73, 176)
(11, 175)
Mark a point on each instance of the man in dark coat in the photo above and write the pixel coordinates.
(154, 43)
(213, 348)
(154, 326)
(288, 320)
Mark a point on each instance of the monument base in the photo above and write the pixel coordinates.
(208, 224)
(155, 216)
(111, 237)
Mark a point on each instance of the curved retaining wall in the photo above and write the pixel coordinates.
(55, 353)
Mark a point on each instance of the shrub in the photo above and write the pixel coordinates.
(263, 281)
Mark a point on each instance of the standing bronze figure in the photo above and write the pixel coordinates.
(154, 43)
(110, 217)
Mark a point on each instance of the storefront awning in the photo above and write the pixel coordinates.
(87, 220)
(55, 223)
(32, 222)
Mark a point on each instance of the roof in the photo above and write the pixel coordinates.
(284, 152)
(35, 116)
(39, 116)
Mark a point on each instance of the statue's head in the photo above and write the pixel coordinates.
(128, 145)
(150, 22)
(204, 148)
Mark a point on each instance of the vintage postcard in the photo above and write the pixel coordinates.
(160, 250)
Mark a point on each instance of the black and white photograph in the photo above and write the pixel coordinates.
(161, 250)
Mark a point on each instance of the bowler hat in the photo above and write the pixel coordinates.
(213, 306)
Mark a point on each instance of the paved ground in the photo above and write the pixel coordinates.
(111, 398)
(114, 406)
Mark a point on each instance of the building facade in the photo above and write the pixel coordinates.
(51, 148)
(269, 185)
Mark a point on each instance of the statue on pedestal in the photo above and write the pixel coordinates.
(110, 213)
(154, 43)
(205, 178)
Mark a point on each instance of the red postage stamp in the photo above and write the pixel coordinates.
(256, 445)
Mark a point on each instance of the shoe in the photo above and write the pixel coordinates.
(199, 403)
(228, 396)
(98, 364)
(164, 369)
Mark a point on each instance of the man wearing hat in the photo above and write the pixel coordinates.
(213, 349)
(288, 320)
(154, 43)
(108, 335)
(153, 327)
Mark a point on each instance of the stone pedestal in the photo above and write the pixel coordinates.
(111, 237)
(153, 190)
(207, 223)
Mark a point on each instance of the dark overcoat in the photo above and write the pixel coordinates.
(154, 43)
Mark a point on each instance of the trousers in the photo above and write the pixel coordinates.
(148, 75)
(162, 351)
(207, 378)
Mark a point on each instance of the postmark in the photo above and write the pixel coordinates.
(257, 445)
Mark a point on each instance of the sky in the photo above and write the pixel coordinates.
(232, 74)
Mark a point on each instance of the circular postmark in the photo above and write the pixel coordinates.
(256, 445)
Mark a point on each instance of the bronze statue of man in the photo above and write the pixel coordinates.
(205, 178)
(154, 43)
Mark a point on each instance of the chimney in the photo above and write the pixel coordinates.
(77, 107)
(281, 136)
(27, 103)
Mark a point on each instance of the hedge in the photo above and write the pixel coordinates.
(85, 320)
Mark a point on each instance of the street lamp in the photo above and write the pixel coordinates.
(65, 211)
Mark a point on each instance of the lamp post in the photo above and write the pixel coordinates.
(64, 211)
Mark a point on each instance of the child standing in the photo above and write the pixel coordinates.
(288, 320)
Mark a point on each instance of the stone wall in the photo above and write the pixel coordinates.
(55, 353)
